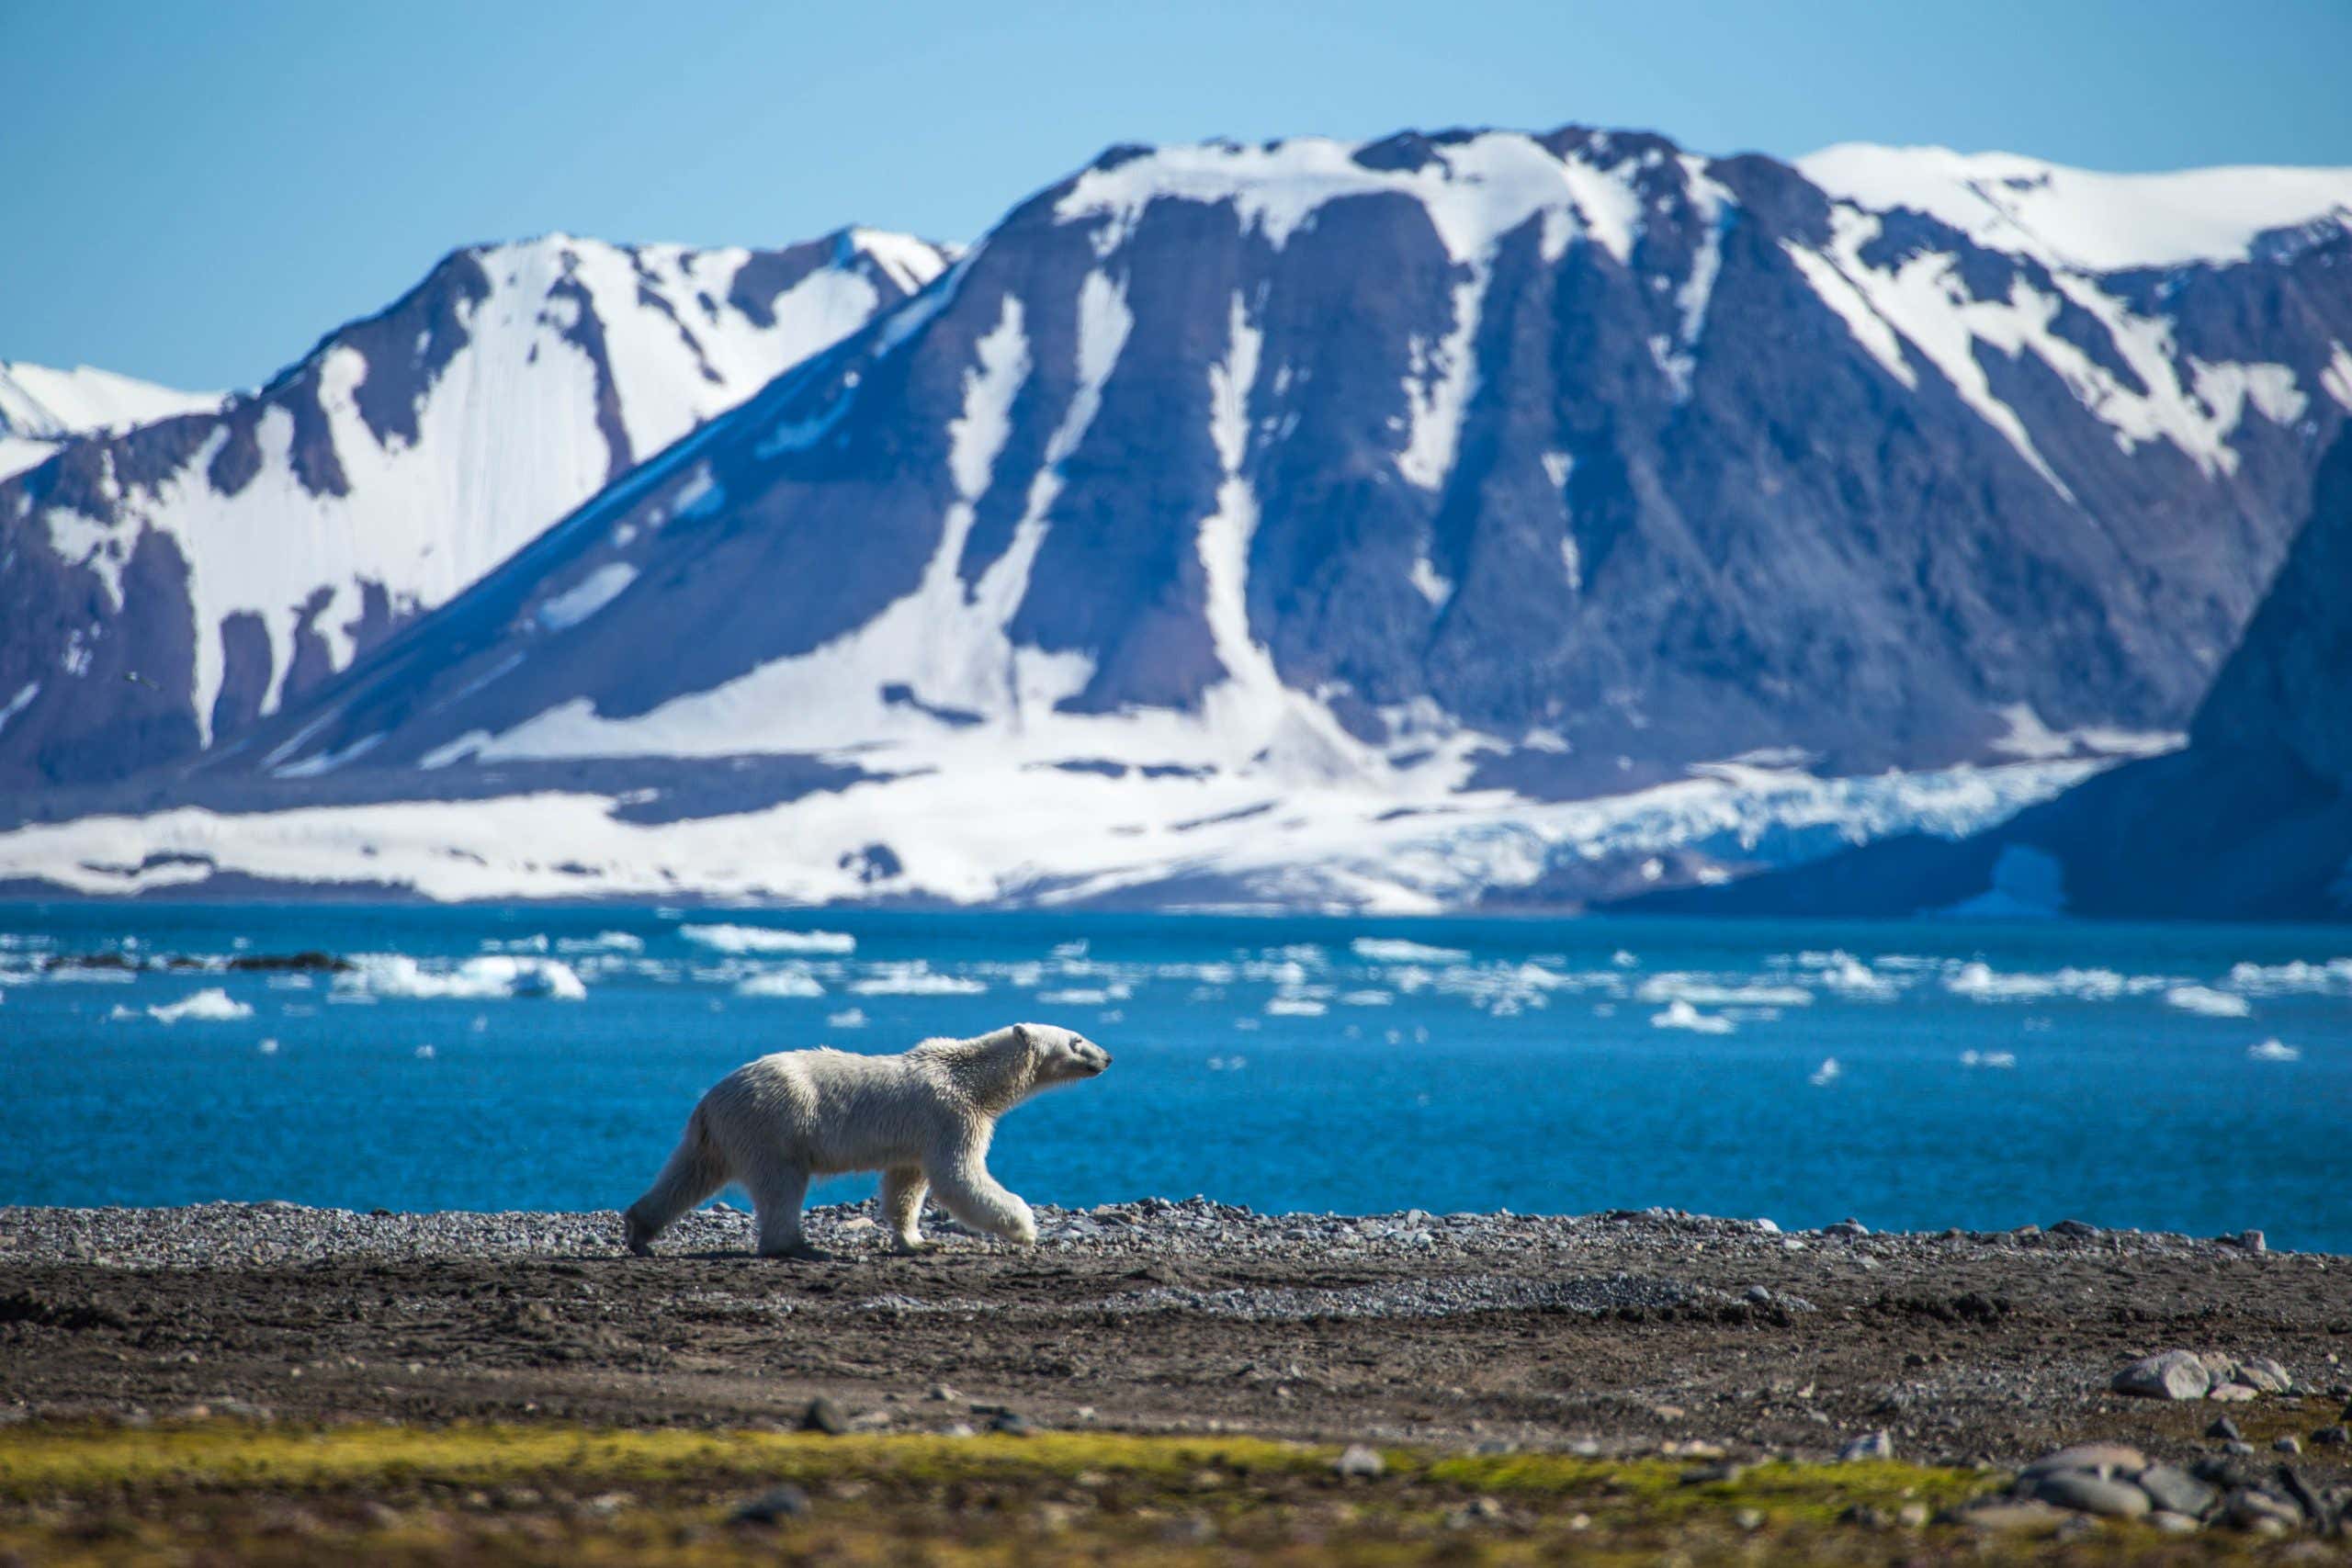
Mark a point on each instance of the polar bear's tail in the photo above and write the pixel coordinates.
(695, 1169)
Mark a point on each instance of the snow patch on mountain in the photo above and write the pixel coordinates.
(2080, 219)
(1923, 301)
(41, 408)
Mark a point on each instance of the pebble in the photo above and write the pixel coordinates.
(2265, 1376)
(2102, 1459)
(1720, 1472)
(2334, 1436)
(1360, 1463)
(2010, 1518)
(2248, 1508)
(2178, 1492)
(773, 1507)
(2288, 1444)
(2175, 1374)
(824, 1415)
(2089, 1494)
(1870, 1445)
(2223, 1427)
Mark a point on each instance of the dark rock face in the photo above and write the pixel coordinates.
(2289, 688)
(2252, 821)
(231, 561)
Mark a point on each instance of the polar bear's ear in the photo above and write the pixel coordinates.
(1021, 1033)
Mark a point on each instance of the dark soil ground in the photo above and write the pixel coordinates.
(1635, 1341)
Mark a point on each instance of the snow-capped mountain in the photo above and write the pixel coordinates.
(41, 409)
(2251, 820)
(1403, 524)
(170, 584)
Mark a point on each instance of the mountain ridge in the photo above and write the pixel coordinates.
(1470, 482)
(209, 565)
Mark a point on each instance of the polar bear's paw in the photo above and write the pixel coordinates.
(638, 1237)
(912, 1246)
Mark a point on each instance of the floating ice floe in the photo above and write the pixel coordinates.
(602, 942)
(1988, 1059)
(1080, 997)
(1365, 998)
(1385, 950)
(2334, 976)
(425, 1053)
(1828, 1072)
(2212, 1003)
(848, 1017)
(1682, 1015)
(1986, 984)
(1841, 972)
(1294, 1007)
(781, 983)
(214, 1006)
(2274, 1051)
(267, 1047)
(1703, 991)
(396, 974)
(915, 979)
(768, 939)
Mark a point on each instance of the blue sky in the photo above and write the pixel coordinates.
(195, 193)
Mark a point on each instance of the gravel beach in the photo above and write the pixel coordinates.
(1603, 1333)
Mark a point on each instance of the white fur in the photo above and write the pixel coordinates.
(924, 1119)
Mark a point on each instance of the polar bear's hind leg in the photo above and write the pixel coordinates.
(695, 1169)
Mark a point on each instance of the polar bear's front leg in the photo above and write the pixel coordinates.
(973, 1196)
(903, 1186)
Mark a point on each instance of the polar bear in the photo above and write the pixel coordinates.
(924, 1119)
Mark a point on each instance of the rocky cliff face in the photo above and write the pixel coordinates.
(169, 583)
(2253, 819)
(2288, 687)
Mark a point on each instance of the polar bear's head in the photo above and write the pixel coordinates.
(1060, 1056)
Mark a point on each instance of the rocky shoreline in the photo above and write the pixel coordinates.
(2085, 1374)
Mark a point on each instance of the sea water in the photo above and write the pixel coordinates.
(1914, 1074)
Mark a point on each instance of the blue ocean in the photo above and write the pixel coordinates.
(1911, 1075)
